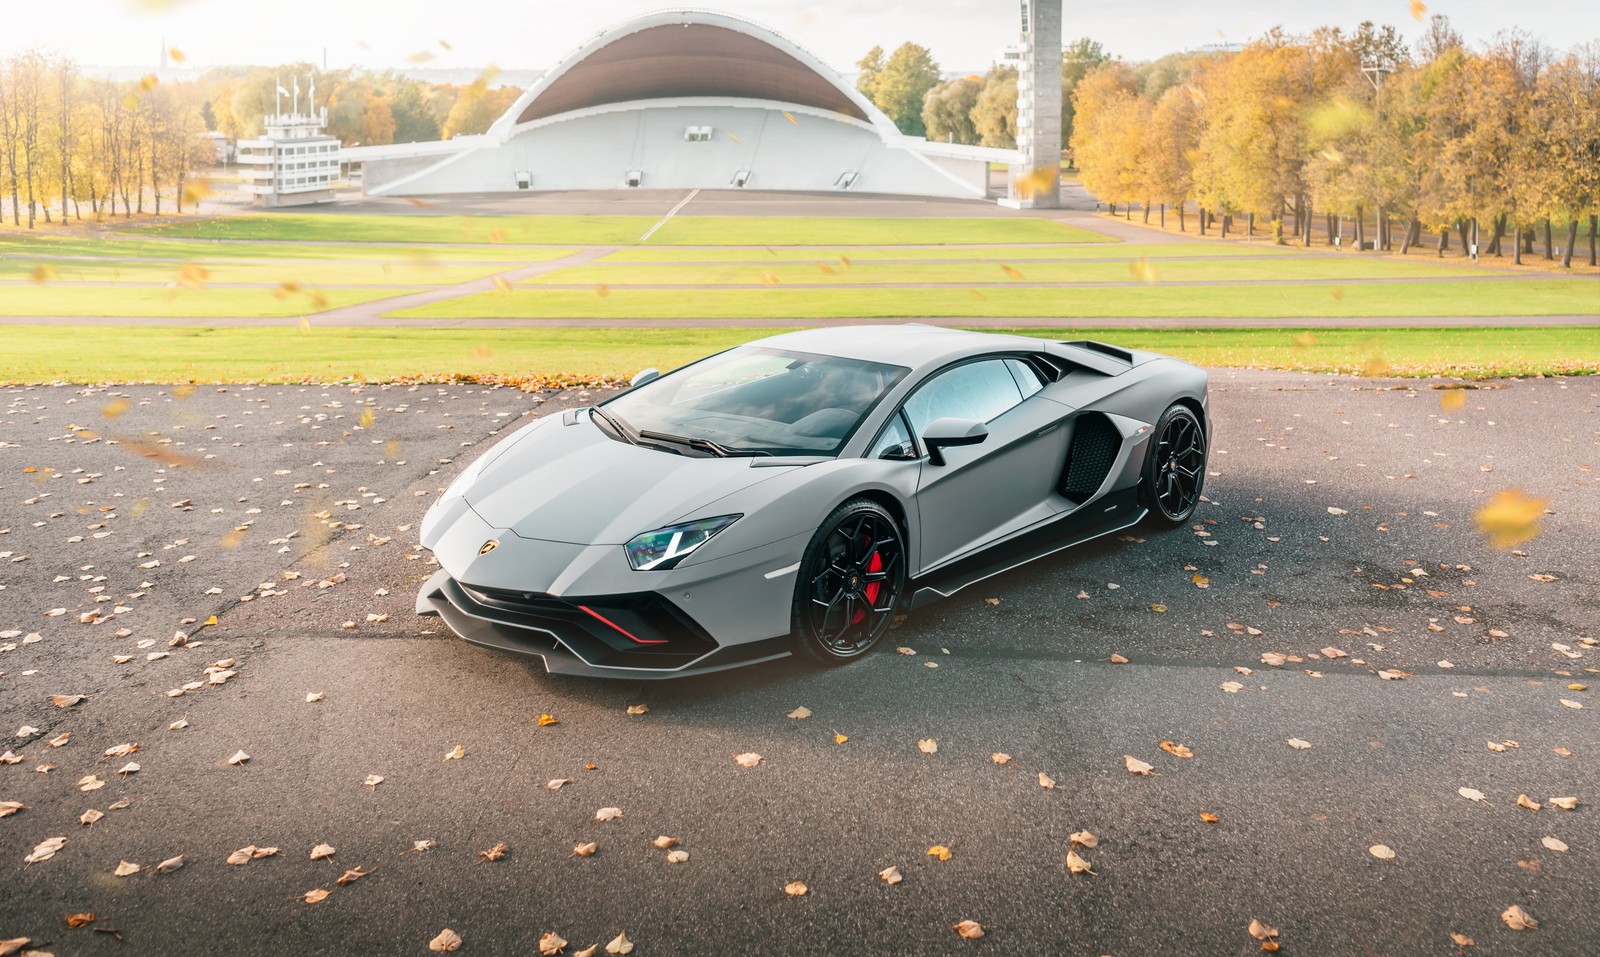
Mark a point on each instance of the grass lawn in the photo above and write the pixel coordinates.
(411, 227)
(863, 231)
(145, 301)
(1442, 298)
(624, 230)
(402, 272)
(127, 245)
(1231, 270)
(951, 253)
(172, 354)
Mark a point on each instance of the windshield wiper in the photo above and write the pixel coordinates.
(704, 445)
(615, 424)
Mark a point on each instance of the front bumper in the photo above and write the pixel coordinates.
(638, 635)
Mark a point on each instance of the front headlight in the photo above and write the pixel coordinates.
(664, 548)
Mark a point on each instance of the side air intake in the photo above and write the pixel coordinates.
(1094, 447)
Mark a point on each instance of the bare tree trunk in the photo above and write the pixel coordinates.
(1547, 244)
(1444, 240)
(1147, 212)
(1527, 241)
(1461, 230)
(1112, 207)
(1411, 232)
(1183, 226)
(1594, 221)
(1329, 226)
(1249, 224)
(1303, 222)
(1494, 241)
(1572, 240)
(1163, 215)
(1516, 247)
(1227, 220)
(1361, 229)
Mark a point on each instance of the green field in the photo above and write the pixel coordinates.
(127, 246)
(135, 302)
(401, 272)
(1230, 270)
(949, 253)
(1553, 297)
(168, 354)
(625, 230)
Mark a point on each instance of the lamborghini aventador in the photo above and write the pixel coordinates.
(791, 495)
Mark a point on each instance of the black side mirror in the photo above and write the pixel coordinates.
(945, 433)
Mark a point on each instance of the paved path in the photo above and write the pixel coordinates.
(1397, 578)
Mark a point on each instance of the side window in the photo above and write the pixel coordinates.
(1026, 375)
(894, 442)
(977, 390)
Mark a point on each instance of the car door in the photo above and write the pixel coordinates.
(1000, 485)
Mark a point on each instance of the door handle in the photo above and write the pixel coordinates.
(1047, 429)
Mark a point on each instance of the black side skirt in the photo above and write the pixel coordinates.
(1110, 513)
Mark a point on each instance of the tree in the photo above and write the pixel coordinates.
(1106, 140)
(1169, 148)
(1077, 59)
(413, 121)
(994, 115)
(947, 112)
(870, 66)
(901, 87)
(476, 109)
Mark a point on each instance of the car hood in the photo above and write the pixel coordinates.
(572, 483)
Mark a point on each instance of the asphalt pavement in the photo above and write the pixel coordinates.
(1349, 596)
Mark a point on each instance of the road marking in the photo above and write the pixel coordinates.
(670, 213)
(777, 572)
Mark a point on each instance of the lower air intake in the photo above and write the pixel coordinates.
(1094, 447)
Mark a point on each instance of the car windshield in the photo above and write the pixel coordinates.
(758, 400)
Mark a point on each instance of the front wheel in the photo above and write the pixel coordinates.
(850, 580)
(1175, 469)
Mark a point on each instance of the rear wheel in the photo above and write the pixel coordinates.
(850, 580)
(1175, 470)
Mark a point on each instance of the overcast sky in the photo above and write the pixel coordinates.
(963, 34)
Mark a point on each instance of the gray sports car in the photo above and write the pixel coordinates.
(790, 495)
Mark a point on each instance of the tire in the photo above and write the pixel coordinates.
(850, 580)
(1174, 468)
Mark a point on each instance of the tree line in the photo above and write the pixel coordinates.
(74, 146)
(1495, 145)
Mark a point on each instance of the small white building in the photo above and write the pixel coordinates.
(293, 164)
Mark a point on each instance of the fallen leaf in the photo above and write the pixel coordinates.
(90, 816)
(1076, 864)
(585, 850)
(1085, 838)
(1299, 745)
(677, 856)
(315, 897)
(1135, 766)
(554, 784)
(127, 869)
(1176, 750)
(1045, 781)
(494, 853)
(970, 929)
(170, 864)
(551, 943)
(800, 713)
(939, 851)
(637, 709)
(747, 760)
(1208, 817)
(622, 945)
(1572, 704)
(1518, 919)
(456, 753)
(1554, 844)
(447, 942)
(74, 921)
(1526, 802)
(1117, 659)
(1158, 608)
(840, 738)
(1565, 803)
(67, 700)
(890, 875)
(608, 814)
(928, 746)
(251, 853)
(546, 720)
(373, 780)
(795, 889)
(312, 697)
(1332, 652)
(90, 783)
(1462, 940)
(1471, 794)
(45, 850)
(1000, 757)
(1382, 852)
(8, 808)
(1261, 931)
(239, 757)
(1231, 687)
(321, 851)
(1493, 746)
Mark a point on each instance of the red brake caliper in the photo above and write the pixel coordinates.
(872, 589)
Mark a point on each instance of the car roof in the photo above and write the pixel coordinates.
(914, 345)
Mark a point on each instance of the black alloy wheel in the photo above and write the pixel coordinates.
(849, 582)
(1175, 471)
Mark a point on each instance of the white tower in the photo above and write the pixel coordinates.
(1036, 177)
